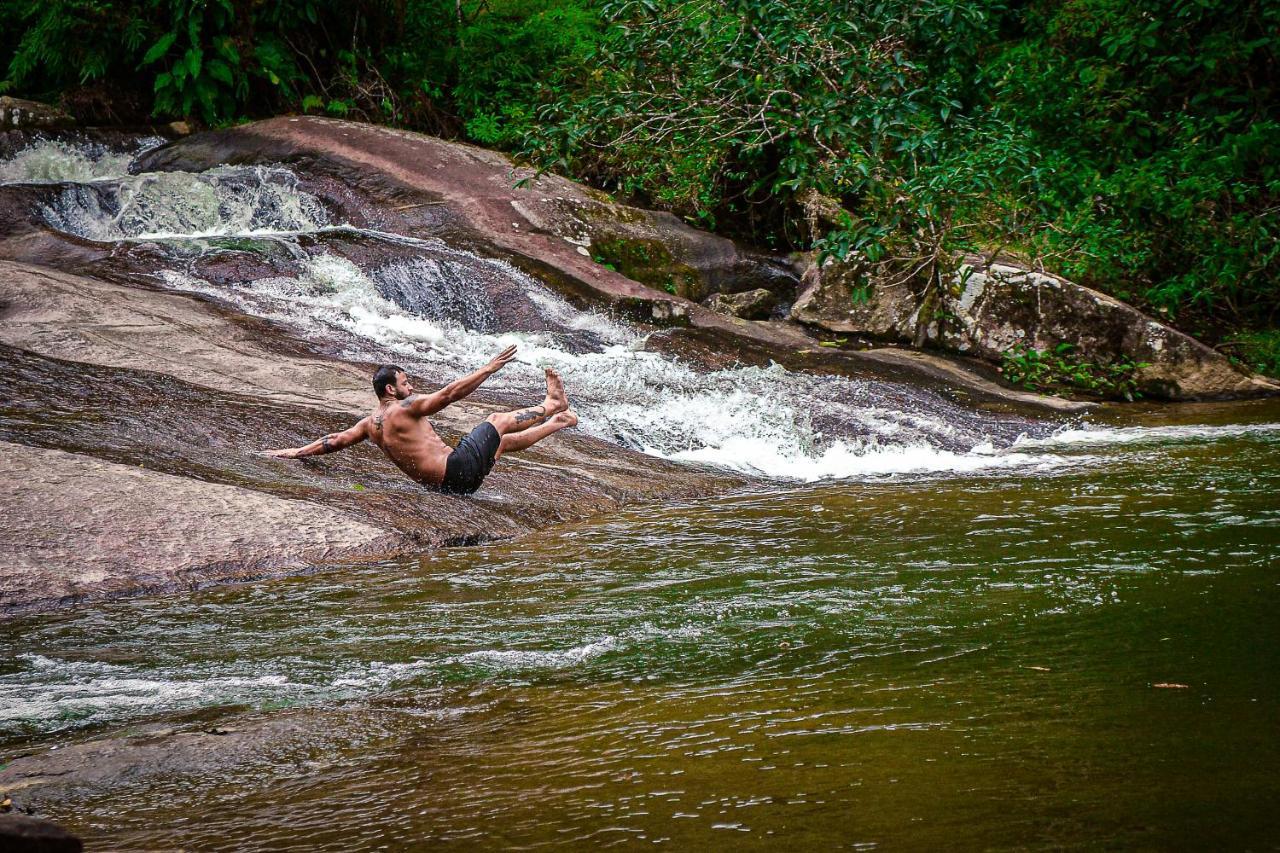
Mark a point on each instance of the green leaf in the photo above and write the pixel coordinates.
(160, 48)
(220, 71)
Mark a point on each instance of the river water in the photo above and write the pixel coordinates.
(928, 629)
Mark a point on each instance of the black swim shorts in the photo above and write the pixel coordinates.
(471, 460)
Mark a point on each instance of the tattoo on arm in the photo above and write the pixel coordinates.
(327, 443)
(531, 415)
(408, 401)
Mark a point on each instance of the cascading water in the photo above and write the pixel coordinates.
(761, 420)
(179, 206)
(430, 308)
(51, 161)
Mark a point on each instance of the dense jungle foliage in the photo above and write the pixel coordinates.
(1128, 144)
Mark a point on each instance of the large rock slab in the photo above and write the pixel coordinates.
(72, 526)
(191, 393)
(990, 309)
(84, 319)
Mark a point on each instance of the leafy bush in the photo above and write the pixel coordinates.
(431, 64)
(1060, 369)
(1131, 144)
(1158, 128)
(507, 53)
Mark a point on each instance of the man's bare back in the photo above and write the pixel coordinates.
(400, 427)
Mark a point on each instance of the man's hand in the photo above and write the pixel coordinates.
(500, 360)
(286, 453)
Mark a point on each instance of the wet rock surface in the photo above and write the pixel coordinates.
(162, 403)
(185, 752)
(993, 309)
(78, 527)
(755, 304)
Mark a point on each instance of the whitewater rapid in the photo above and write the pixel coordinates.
(426, 307)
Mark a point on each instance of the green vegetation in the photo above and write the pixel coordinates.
(443, 66)
(1258, 351)
(1128, 144)
(1060, 369)
(1131, 145)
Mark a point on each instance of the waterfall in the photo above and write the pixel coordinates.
(50, 161)
(431, 307)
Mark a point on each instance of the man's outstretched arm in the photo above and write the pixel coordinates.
(429, 404)
(332, 442)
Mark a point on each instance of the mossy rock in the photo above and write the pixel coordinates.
(649, 262)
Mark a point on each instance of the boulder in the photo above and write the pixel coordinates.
(752, 305)
(16, 113)
(836, 297)
(470, 195)
(987, 310)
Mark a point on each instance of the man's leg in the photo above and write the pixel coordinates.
(523, 419)
(517, 441)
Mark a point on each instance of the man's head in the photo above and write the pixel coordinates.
(391, 381)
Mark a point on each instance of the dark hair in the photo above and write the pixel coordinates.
(385, 376)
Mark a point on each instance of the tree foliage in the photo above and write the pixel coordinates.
(437, 65)
(1130, 144)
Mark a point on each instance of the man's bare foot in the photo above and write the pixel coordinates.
(567, 418)
(556, 401)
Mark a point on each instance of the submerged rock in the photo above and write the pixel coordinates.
(21, 833)
(989, 310)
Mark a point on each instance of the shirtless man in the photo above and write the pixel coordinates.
(399, 426)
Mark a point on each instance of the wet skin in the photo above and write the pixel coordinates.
(400, 427)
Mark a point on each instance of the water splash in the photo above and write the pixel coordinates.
(52, 161)
(228, 201)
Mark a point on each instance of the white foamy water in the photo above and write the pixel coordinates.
(511, 661)
(758, 420)
(242, 201)
(83, 692)
(432, 313)
(1092, 436)
(49, 161)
